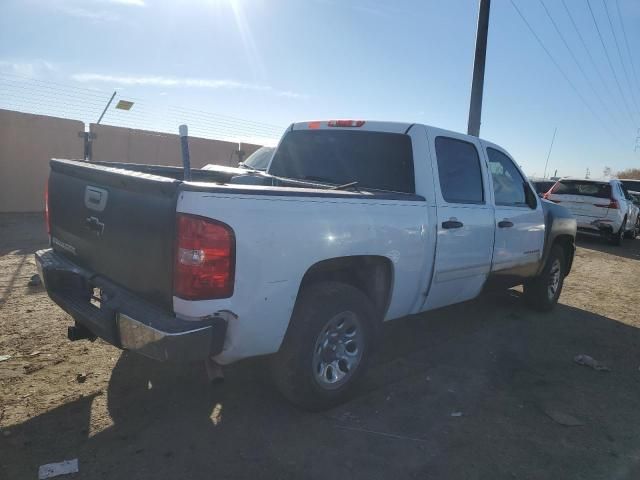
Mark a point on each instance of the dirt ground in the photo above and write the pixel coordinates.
(475, 391)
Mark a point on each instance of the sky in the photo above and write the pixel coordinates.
(273, 62)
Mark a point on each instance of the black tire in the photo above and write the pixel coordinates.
(618, 238)
(293, 368)
(537, 291)
(633, 233)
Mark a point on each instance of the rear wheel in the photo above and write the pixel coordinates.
(633, 233)
(327, 346)
(618, 238)
(543, 291)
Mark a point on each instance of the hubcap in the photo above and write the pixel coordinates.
(338, 350)
(554, 279)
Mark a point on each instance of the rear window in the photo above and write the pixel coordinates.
(633, 185)
(577, 187)
(376, 160)
(541, 186)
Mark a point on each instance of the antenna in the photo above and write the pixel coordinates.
(544, 175)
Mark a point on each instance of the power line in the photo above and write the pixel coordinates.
(626, 41)
(586, 48)
(48, 83)
(553, 60)
(50, 98)
(606, 52)
(624, 69)
(227, 117)
(575, 59)
(26, 85)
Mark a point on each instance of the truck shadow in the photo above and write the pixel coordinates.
(22, 233)
(465, 392)
(629, 248)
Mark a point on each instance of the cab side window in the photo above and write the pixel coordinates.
(509, 188)
(459, 171)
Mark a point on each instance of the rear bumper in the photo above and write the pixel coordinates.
(125, 320)
(595, 226)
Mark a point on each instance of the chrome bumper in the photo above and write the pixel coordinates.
(150, 342)
(123, 319)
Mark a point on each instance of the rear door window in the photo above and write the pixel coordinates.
(376, 160)
(582, 188)
(459, 171)
(508, 184)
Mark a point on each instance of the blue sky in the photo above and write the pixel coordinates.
(278, 61)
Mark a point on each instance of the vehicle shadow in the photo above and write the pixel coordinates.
(628, 249)
(22, 233)
(465, 392)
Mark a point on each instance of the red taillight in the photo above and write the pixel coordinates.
(205, 259)
(345, 123)
(47, 219)
(613, 204)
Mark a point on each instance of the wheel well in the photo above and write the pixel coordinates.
(371, 274)
(567, 242)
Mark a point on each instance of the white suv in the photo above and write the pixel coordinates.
(601, 207)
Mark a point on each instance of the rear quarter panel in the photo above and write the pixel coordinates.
(278, 238)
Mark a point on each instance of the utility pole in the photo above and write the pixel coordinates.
(477, 86)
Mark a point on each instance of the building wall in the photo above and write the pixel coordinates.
(116, 144)
(27, 142)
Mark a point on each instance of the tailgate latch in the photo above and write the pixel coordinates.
(95, 198)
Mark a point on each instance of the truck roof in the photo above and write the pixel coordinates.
(589, 180)
(369, 125)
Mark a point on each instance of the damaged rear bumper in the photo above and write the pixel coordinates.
(123, 319)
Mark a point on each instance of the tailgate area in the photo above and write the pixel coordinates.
(117, 222)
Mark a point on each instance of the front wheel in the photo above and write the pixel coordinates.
(327, 346)
(543, 291)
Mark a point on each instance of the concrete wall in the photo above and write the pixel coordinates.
(27, 142)
(116, 144)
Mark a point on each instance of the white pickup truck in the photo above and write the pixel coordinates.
(353, 224)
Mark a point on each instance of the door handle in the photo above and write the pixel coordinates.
(505, 224)
(452, 224)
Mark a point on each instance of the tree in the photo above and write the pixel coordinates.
(630, 173)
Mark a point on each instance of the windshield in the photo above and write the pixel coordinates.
(259, 160)
(376, 160)
(585, 188)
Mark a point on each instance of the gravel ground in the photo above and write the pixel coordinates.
(479, 390)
